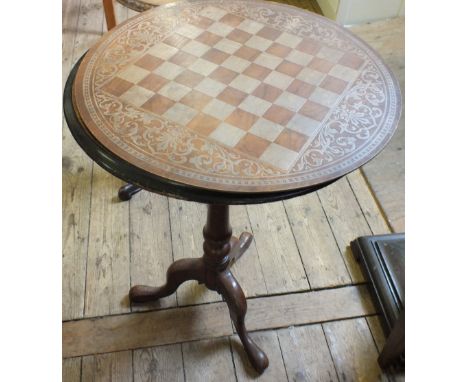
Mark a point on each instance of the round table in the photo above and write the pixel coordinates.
(222, 103)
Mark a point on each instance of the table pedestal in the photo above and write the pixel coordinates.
(220, 251)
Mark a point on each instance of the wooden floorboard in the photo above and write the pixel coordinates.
(168, 326)
(300, 245)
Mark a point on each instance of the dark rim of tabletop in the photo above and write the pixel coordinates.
(151, 182)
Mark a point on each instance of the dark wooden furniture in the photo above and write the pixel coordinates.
(223, 103)
(382, 258)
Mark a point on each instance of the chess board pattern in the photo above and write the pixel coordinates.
(258, 93)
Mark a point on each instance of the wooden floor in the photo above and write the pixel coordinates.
(323, 326)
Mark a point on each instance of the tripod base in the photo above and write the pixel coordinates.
(221, 250)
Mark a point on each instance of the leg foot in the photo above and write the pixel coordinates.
(239, 246)
(234, 296)
(179, 272)
(127, 191)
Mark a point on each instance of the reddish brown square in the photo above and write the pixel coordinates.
(351, 60)
(232, 96)
(117, 86)
(301, 88)
(223, 75)
(308, 46)
(278, 114)
(149, 62)
(278, 50)
(202, 22)
(314, 110)
(247, 53)
(158, 104)
(333, 84)
(216, 56)
(183, 59)
(242, 119)
(256, 71)
(252, 145)
(203, 124)
(289, 68)
(153, 82)
(231, 20)
(239, 36)
(176, 40)
(189, 78)
(291, 140)
(321, 65)
(267, 92)
(195, 100)
(269, 33)
(208, 38)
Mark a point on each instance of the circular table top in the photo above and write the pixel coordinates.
(236, 97)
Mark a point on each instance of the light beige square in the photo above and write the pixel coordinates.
(250, 26)
(255, 105)
(245, 83)
(258, 43)
(236, 64)
(137, 95)
(220, 29)
(299, 58)
(203, 67)
(210, 87)
(227, 134)
(162, 51)
(133, 74)
(213, 13)
(288, 40)
(344, 73)
(218, 109)
(278, 80)
(168, 70)
(174, 91)
(311, 76)
(268, 60)
(196, 48)
(290, 101)
(330, 54)
(227, 46)
(266, 129)
(324, 97)
(189, 31)
(304, 125)
(181, 114)
(279, 156)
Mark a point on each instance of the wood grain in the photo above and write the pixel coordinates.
(137, 330)
(319, 252)
(306, 354)
(208, 361)
(71, 370)
(115, 367)
(158, 364)
(108, 268)
(151, 245)
(76, 165)
(369, 205)
(346, 220)
(277, 250)
(353, 350)
(163, 327)
(268, 342)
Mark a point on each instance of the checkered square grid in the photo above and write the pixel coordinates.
(258, 90)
